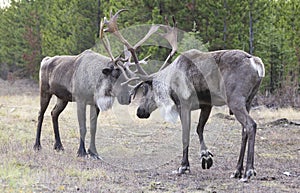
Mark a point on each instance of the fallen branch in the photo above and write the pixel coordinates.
(282, 121)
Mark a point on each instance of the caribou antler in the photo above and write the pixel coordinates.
(105, 41)
(152, 30)
(130, 52)
(171, 37)
(113, 28)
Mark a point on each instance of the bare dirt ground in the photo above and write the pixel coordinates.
(139, 155)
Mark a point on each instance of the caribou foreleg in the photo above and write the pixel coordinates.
(94, 112)
(81, 115)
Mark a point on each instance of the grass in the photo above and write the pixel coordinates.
(266, 114)
(127, 147)
(12, 175)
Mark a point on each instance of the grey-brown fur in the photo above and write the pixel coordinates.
(200, 80)
(88, 79)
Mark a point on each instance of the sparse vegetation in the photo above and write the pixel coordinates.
(139, 155)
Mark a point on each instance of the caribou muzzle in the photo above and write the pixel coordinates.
(142, 113)
(124, 100)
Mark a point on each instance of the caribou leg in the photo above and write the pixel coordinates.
(205, 154)
(81, 115)
(44, 102)
(59, 107)
(239, 168)
(248, 135)
(185, 117)
(251, 132)
(94, 112)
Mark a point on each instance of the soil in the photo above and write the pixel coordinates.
(140, 155)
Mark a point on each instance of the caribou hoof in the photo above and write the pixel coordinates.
(248, 175)
(94, 155)
(37, 147)
(81, 153)
(206, 159)
(236, 174)
(58, 147)
(182, 170)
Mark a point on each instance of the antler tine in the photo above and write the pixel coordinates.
(171, 37)
(113, 28)
(130, 80)
(123, 72)
(125, 64)
(112, 22)
(127, 55)
(167, 21)
(139, 77)
(152, 30)
(105, 41)
(119, 59)
(174, 21)
(128, 62)
(144, 61)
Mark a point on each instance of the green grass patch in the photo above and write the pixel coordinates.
(15, 176)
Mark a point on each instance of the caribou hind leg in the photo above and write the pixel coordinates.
(185, 118)
(44, 102)
(239, 168)
(205, 154)
(248, 135)
(58, 108)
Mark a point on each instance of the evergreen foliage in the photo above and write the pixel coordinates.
(270, 29)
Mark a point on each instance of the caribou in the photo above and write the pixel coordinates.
(87, 79)
(200, 80)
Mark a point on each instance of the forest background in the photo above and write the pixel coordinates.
(270, 29)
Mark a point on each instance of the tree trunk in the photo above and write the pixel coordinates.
(98, 18)
(251, 35)
(224, 25)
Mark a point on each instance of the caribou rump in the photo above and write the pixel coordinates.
(200, 80)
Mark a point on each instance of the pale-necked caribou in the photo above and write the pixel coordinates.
(200, 80)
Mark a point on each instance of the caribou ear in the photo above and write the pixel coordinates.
(135, 89)
(107, 71)
(141, 84)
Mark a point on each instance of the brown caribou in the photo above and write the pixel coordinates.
(87, 79)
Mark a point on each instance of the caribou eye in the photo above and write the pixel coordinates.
(116, 73)
(145, 89)
(107, 71)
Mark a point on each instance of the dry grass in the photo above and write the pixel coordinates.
(273, 114)
(139, 155)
